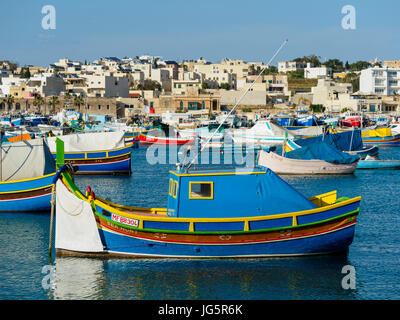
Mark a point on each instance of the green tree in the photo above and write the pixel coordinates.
(317, 108)
(312, 58)
(38, 101)
(78, 101)
(10, 101)
(270, 70)
(225, 86)
(25, 73)
(204, 85)
(359, 65)
(298, 74)
(53, 101)
(149, 85)
(335, 64)
(354, 79)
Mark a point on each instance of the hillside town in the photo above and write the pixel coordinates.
(123, 88)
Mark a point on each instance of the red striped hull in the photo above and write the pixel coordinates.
(146, 139)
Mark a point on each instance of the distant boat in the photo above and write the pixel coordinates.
(26, 179)
(349, 142)
(264, 132)
(146, 138)
(380, 137)
(376, 163)
(97, 152)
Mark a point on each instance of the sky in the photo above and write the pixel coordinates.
(251, 30)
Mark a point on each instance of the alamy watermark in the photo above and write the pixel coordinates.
(198, 151)
(49, 280)
(49, 20)
(349, 20)
(349, 280)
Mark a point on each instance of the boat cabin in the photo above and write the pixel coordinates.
(231, 193)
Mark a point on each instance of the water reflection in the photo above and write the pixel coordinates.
(78, 278)
(245, 279)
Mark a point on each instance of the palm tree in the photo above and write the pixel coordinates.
(53, 102)
(67, 98)
(10, 101)
(38, 101)
(78, 101)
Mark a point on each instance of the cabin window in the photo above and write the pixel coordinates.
(201, 190)
(175, 191)
(170, 186)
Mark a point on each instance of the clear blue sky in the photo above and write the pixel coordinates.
(184, 29)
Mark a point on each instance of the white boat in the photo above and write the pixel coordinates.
(264, 132)
(282, 165)
(395, 128)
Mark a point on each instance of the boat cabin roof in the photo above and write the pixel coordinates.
(231, 193)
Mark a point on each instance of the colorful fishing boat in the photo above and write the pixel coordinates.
(145, 138)
(380, 137)
(97, 152)
(203, 220)
(27, 173)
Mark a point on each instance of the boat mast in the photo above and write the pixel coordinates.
(237, 103)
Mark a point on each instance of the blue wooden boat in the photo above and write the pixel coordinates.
(27, 173)
(210, 214)
(376, 163)
(97, 157)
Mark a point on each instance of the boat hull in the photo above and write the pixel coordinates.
(103, 228)
(282, 165)
(147, 139)
(116, 161)
(325, 242)
(26, 195)
(382, 141)
(378, 164)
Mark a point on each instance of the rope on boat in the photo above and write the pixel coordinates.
(237, 103)
(71, 169)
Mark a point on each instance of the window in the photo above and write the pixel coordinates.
(108, 107)
(175, 191)
(201, 190)
(170, 186)
(99, 107)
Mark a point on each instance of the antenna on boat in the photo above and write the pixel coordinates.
(237, 103)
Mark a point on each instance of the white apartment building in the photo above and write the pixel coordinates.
(46, 85)
(317, 72)
(289, 66)
(93, 68)
(180, 87)
(216, 74)
(382, 81)
(162, 76)
(107, 86)
(9, 82)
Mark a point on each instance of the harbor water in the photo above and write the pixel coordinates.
(374, 255)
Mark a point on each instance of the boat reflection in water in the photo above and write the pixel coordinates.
(144, 279)
(78, 279)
